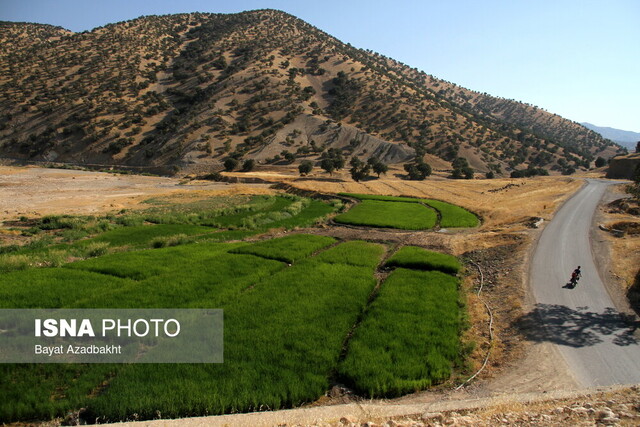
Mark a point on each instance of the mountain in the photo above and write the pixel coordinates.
(184, 92)
(625, 138)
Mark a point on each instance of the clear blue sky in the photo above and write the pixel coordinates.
(576, 58)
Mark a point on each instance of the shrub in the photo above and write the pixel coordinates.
(95, 249)
(167, 241)
(14, 262)
(53, 258)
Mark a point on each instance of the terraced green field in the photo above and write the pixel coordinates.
(421, 259)
(372, 214)
(409, 338)
(290, 305)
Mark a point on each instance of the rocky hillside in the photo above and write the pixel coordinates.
(188, 91)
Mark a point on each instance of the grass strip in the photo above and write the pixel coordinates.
(451, 216)
(409, 338)
(421, 259)
(142, 235)
(140, 265)
(375, 213)
(357, 253)
(287, 249)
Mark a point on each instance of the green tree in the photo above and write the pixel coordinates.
(417, 171)
(461, 169)
(305, 167)
(600, 162)
(456, 174)
(338, 160)
(327, 165)
(332, 160)
(230, 164)
(288, 156)
(359, 169)
(248, 165)
(468, 173)
(379, 168)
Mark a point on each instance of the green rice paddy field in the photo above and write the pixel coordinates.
(393, 212)
(289, 304)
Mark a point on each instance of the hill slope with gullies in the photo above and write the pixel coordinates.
(185, 92)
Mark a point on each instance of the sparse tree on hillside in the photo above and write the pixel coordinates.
(288, 156)
(305, 167)
(600, 162)
(327, 165)
(332, 160)
(377, 166)
(359, 169)
(468, 173)
(338, 160)
(230, 164)
(417, 171)
(380, 168)
(248, 165)
(638, 147)
(461, 169)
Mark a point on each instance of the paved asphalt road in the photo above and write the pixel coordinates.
(597, 343)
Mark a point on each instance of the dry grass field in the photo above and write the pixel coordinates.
(35, 192)
(624, 251)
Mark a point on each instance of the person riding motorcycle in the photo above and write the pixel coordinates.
(575, 276)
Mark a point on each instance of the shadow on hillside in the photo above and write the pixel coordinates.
(562, 325)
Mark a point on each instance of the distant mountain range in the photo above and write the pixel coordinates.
(186, 92)
(625, 138)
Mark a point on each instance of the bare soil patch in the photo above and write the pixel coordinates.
(35, 192)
